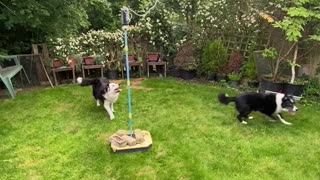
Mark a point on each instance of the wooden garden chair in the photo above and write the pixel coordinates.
(6, 73)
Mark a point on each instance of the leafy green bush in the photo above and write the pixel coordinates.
(249, 68)
(214, 58)
(313, 87)
(234, 76)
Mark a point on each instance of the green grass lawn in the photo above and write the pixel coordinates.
(60, 134)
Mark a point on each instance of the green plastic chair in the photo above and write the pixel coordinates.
(8, 72)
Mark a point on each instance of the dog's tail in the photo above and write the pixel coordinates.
(86, 82)
(224, 99)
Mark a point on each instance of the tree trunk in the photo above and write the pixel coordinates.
(276, 69)
(293, 67)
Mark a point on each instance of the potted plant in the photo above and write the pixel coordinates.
(89, 60)
(188, 71)
(234, 68)
(57, 63)
(153, 57)
(234, 79)
(131, 55)
(214, 60)
(268, 63)
(249, 70)
(185, 61)
(296, 88)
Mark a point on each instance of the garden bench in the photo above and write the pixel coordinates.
(6, 73)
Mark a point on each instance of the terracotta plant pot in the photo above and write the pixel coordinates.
(89, 60)
(57, 63)
(153, 57)
(130, 58)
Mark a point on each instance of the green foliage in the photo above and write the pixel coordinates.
(38, 21)
(214, 58)
(270, 53)
(249, 69)
(300, 15)
(102, 13)
(234, 76)
(299, 81)
(313, 87)
(293, 64)
(292, 27)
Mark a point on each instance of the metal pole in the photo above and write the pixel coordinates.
(128, 80)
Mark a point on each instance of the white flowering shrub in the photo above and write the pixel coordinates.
(93, 43)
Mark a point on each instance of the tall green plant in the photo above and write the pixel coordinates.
(214, 58)
(250, 69)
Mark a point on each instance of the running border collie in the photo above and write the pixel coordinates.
(103, 91)
(269, 104)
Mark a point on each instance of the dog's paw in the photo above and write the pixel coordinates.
(250, 117)
(287, 123)
(111, 118)
(244, 122)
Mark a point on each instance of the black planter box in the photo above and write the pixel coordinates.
(292, 89)
(266, 85)
(173, 73)
(186, 75)
(253, 84)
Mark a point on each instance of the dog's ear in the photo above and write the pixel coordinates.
(107, 87)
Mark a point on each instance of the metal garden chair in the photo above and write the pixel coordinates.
(6, 73)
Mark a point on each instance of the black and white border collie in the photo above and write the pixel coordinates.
(103, 91)
(269, 104)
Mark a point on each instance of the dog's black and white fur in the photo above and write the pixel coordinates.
(103, 91)
(269, 104)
